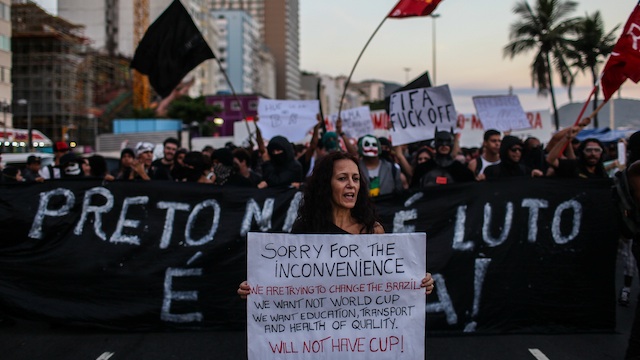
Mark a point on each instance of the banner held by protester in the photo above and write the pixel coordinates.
(502, 113)
(356, 122)
(336, 295)
(414, 115)
(289, 118)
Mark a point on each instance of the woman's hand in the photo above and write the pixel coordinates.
(244, 289)
(427, 282)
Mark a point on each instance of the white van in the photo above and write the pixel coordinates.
(20, 159)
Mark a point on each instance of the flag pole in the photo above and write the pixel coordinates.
(233, 92)
(346, 84)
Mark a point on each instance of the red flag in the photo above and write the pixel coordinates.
(624, 61)
(408, 8)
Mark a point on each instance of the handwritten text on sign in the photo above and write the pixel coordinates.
(415, 114)
(501, 113)
(289, 118)
(355, 122)
(336, 296)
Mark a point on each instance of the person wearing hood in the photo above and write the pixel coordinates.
(280, 168)
(124, 167)
(511, 161)
(71, 166)
(442, 168)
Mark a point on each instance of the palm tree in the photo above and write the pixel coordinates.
(546, 30)
(591, 46)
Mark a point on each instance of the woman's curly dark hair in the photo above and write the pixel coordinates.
(315, 212)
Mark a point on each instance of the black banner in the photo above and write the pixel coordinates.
(520, 255)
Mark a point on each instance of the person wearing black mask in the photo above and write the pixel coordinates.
(510, 161)
(280, 167)
(442, 168)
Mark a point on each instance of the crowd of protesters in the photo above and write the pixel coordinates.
(387, 168)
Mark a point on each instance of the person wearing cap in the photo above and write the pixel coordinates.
(142, 164)
(31, 172)
(60, 148)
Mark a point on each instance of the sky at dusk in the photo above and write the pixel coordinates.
(470, 37)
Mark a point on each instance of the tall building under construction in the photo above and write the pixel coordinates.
(71, 90)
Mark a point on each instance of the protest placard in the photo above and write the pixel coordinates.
(502, 112)
(336, 296)
(289, 118)
(356, 122)
(415, 114)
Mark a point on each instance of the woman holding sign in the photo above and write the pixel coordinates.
(336, 201)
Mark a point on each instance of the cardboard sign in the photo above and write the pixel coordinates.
(356, 122)
(501, 113)
(336, 296)
(289, 118)
(415, 114)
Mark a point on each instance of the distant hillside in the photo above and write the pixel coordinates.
(626, 113)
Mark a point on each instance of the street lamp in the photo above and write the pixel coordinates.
(433, 34)
(406, 74)
(5, 107)
(23, 102)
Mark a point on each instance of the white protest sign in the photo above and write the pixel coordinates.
(336, 296)
(415, 114)
(289, 118)
(471, 130)
(356, 122)
(501, 113)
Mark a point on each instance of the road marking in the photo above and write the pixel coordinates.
(538, 354)
(105, 356)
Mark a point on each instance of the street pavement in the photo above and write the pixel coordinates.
(30, 340)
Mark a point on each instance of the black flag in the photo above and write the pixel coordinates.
(171, 47)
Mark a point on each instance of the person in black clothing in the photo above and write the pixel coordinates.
(222, 161)
(31, 172)
(124, 169)
(280, 167)
(242, 174)
(510, 161)
(587, 163)
(628, 186)
(162, 167)
(336, 201)
(442, 168)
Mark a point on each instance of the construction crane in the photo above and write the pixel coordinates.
(141, 88)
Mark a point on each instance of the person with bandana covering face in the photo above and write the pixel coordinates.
(511, 161)
(380, 174)
(280, 167)
(442, 168)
